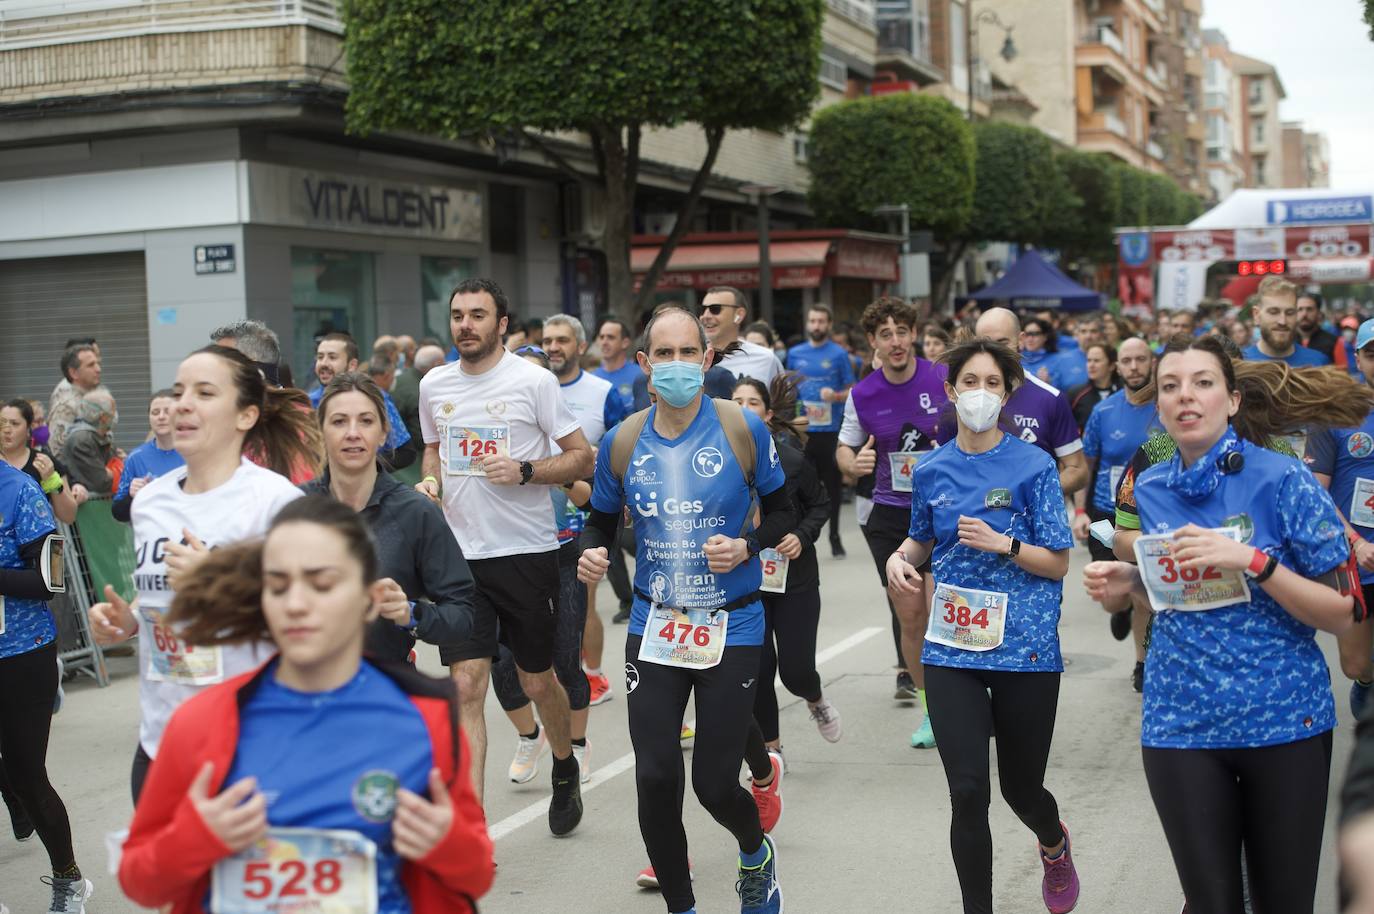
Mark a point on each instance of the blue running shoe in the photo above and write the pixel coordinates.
(924, 737)
(1359, 697)
(758, 889)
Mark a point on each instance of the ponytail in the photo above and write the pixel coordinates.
(220, 601)
(285, 439)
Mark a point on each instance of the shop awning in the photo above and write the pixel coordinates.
(794, 264)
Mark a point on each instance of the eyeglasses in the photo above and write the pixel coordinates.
(714, 308)
(531, 350)
(1033, 332)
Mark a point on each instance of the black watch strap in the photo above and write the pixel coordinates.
(751, 542)
(1015, 549)
(526, 471)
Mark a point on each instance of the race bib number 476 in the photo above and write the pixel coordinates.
(298, 870)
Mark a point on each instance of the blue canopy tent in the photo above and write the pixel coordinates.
(1033, 284)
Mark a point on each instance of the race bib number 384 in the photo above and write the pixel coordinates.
(305, 870)
(967, 619)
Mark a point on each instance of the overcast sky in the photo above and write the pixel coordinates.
(1325, 59)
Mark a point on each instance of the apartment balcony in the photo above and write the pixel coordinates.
(1158, 76)
(860, 12)
(1101, 48)
(1155, 14)
(1155, 150)
(166, 45)
(1103, 130)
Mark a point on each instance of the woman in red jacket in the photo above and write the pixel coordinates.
(321, 778)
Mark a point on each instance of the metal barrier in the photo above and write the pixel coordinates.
(100, 551)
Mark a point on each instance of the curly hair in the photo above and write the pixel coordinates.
(877, 313)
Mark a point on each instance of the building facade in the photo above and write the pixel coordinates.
(1223, 109)
(1262, 130)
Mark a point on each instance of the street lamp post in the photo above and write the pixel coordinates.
(971, 21)
(761, 193)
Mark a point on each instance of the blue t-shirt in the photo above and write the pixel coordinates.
(25, 516)
(147, 460)
(315, 771)
(681, 492)
(1249, 674)
(1302, 357)
(1032, 361)
(1022, 481)
(1070, 368)
(1346, 455)
(623, 380)
(826, 365)
(1114, 432)
(397, 433)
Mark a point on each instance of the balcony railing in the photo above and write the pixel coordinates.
(860, 11)
(1158, 77)
(32, 23)
(1114, 124)
(1155, 150)
(1105, 35)
(1157, 7)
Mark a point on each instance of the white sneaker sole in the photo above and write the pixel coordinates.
(534, 769)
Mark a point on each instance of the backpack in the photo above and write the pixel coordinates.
(731, 416)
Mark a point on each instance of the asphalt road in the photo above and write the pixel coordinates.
(865, 826)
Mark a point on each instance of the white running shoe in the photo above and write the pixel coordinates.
(827, 720)
(525, 765)
(582, 753)
(61, 693)
(68, 895)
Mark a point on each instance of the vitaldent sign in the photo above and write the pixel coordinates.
(295, 196)
(1321, 209)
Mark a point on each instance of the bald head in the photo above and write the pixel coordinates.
(426, 357)
(675, 321)
(1133, 362)
(1000, 326)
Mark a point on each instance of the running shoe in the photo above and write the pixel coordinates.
(565, 809)
(1060, 885)
(827, 720)
(61, 695)
(687, 733)
(1138, 677)
(837, 549)
(68, 895)
(1359, 698)
(622, 615)
(601, 688)
(769, 799)
(1121, 624)
(648, 879)
(924, 737)
(525, 765)
(906, 687)
(19, 818)
(581, 753)
(757, 887)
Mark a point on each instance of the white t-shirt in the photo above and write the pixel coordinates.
(170, 671)
(753, 361)
(587, 397)
(513, 408)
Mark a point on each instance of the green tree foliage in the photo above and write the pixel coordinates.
(1163, 200)
(608, 69)
(1096, 183)
(1020, 189)
(892, 149)
(1369, 17)
(1135, 197)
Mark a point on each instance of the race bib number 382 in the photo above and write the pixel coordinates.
(306, 870)
(1171, 586)
(468, 443)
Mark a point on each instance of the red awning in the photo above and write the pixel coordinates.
(794, 264)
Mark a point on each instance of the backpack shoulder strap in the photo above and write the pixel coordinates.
(626, 437)
(731, 416)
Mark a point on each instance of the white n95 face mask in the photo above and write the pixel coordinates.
(978, 409)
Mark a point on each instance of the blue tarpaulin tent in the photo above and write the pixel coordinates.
(1033, 283)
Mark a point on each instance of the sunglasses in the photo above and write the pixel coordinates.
(714, 309)
(531, 350)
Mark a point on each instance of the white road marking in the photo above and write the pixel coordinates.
(604, 773)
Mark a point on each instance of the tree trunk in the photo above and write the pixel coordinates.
(615, 239)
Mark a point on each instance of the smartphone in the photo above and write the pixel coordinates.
(1103, 531)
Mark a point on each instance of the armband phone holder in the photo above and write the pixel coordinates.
(50, 563)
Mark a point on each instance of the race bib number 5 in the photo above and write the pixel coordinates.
(693, 639)
(1173, 587)
(467, 443)
(967, 619)
(774, 571)
(298, 869)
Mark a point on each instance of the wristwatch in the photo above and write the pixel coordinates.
(751, 542)
(1262, 566)
(526, 471)
(1015, 548)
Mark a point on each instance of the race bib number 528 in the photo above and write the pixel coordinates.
(298, 869)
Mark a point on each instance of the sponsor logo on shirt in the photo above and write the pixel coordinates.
(1118, 435)
(660, 587)
(631, 678)
(643, 459)
(708, 462)
(496, 407)
(942, 500)
(1360, 445)
(1243, 523)
(998, 498)
(374, 795)
(447, 408)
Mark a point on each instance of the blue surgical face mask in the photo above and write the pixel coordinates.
(678, 382)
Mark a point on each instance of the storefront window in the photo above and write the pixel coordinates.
(331, 292)
(438, 276)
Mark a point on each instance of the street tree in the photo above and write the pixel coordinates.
(888, 150)
(1096, 183)
(607, 70)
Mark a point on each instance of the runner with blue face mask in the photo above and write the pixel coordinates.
(1243, 557)
(988, 508)
(697, 623)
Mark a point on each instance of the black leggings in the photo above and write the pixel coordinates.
(1020, 715)
(1270, 799)
(657, 697)
(820, 451)
(567, 646)
(790, 619)
(885, 531)
(28, 685)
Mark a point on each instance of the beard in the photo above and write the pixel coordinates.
(486, 346)
(1278, 340)
(818, 336)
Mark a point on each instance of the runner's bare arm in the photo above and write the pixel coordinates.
(576, 462)
(1073, 472)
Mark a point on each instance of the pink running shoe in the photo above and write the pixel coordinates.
(1060, 886)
